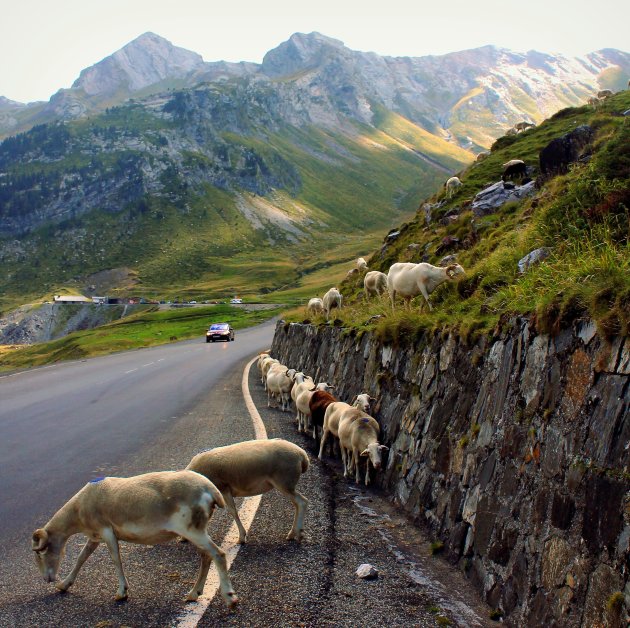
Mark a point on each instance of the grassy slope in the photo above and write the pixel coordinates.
(581, 216)
(145, 329)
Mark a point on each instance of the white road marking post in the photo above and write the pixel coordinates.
(193, 613)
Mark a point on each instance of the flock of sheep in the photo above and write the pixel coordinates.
(404, 279)
(318, 411)
(158, 507)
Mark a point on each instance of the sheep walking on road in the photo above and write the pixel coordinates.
(358, 437)
(148, 509)
(255, 467)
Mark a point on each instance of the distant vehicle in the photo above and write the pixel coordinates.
(236, 301)
(220, 331)
(193, 302)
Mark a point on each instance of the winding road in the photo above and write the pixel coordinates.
(153, 409)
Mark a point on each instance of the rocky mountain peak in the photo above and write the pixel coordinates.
(146, 60)
(300, 52)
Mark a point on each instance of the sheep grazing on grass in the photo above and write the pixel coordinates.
(279, 386)
(482, 155)
(409, 280)
(595, 102)
(320, 400)
(302, 403)
(353, 272)
(451, 185)
(315, 306)
(374, 283)
(515, 170)
(604, 93)
(252, 468)
(337, 411)
(361, 265)
(358, 436)
(332, 299)
(148, 509)
(523, 126)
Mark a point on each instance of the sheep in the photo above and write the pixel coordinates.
(361, 264)
(331, 300)
(451, 185)
(148, 509)
(252, 468)
(409, 280)
(513, 162)
(595, 102)
(352, 273)
(279, 385)
(523, 126)
(302, 404)
(317, 405)
(374, 283)
(604, 93)
(511, 131)
(265, 365)
(301, 382)
(515, 170)
(358, 436)
(482, 155)
(315, 306)
(336, 411)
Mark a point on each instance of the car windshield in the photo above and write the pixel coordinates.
(219, 326)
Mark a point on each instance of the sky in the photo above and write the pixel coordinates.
(44, 44)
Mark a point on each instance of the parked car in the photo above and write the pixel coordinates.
(220, 331)
(236, 301)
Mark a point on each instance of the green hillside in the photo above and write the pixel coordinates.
(581, 217)
(203, 194)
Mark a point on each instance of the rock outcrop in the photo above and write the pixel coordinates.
(513, 452)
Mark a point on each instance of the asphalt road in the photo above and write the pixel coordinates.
(154, 409)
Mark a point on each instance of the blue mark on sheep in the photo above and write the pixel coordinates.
(97, 480)
(365, 420)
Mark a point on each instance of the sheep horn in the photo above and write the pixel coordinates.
(40, 540)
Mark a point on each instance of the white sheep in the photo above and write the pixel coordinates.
(451, 185)
(301, 382)
(265, 365)
(523, 126)
(302, 404)
(148, 509)
(336, 411)
(409, 280)
(358, 436)
(353, 272)
(604, 93)
(512, 162)
(361, 264)
(252, 468)
(315, 306)
(331, 300)
(374, 284)
(279, 386)
(594, 102)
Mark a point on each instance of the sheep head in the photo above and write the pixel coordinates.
(48, 553)
(373, 450)
(455, 271)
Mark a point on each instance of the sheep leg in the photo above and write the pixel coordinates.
(323, 442)
(343, 460)
(231, 508)
(425, 294)
(392, 296)
(356, 459)
(210, 552)
(86, 552)
(367, 471)
(299, 502)
(112, 545)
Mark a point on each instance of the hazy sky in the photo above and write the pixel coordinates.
(44, 44)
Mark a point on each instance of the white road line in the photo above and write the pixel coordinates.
(149, 364)
(131, 371)
(190, 617)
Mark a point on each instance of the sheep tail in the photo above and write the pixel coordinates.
(305, 462)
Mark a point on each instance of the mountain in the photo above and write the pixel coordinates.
(232, 177)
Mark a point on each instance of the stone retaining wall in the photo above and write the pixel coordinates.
(513, 452)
